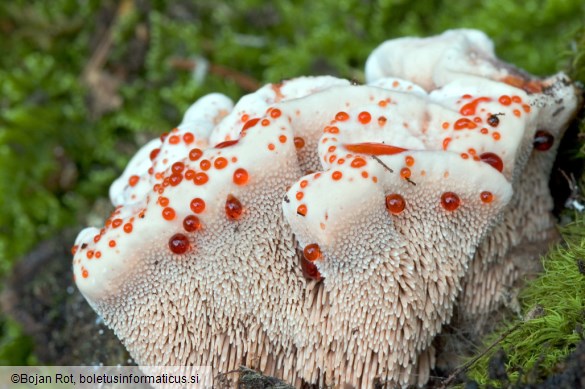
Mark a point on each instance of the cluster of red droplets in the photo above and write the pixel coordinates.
(179, 243)
(450, 201)
(311, 253)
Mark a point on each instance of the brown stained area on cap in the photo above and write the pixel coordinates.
(527, 85)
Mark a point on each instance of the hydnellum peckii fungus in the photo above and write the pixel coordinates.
(322, 231)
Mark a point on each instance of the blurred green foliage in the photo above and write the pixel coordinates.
(64, 137)
(15, 349)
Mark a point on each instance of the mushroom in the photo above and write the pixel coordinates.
(317, 230)
(512, 250)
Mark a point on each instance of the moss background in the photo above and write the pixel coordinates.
(83, 83)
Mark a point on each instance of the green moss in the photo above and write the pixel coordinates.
(555, 314)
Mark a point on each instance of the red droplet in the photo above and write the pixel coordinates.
(395, 203)
(188, 137)
(543, 140)
(446, 142)
(464, 123)
(200, 178)
(302, 210)
(227, 143)
(275, 113)
(470, 108)
(341, 116)
(175, 179)
(373, 148)
(189, 174)
(450, 201)
(179, 243)
(127, 228)
(364, 117)
(205, 164)
(312, 252)
(337, 175)
(486, 197)
(358, 162)
(220, 163)
(299, 142)
(250, 123)
(505, 100)
(154, 153)
(405, 173)
(197, 205)
(492, 159)
(191, 223)
(178, 167)
(133, 180)
(168, 213)
(310, 270)
(233, 208)
(195, 154)
(241, 176)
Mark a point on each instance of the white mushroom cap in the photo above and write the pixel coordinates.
(254, 105)
(134, 183)
(434, 61)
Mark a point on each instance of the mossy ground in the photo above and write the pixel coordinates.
(554, 319)
(84, 83)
